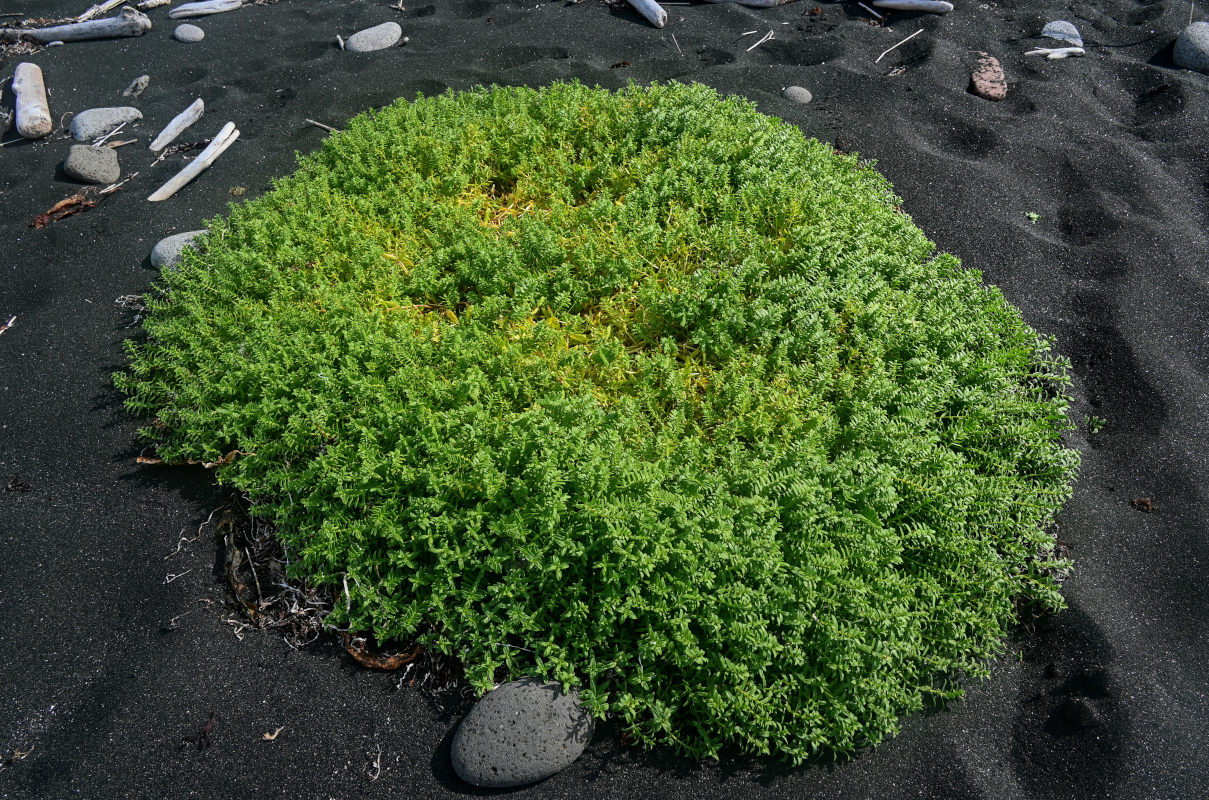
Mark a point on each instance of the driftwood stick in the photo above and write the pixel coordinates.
(147, 4)
(755, 3)
(178, 124)
(204, 9)
(129, 22)
(33, 110)
(932, 6)
(225, 138)
(1054, 53)
(99, 8)
(651, 11)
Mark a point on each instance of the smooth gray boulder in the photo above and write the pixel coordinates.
(94, 122)
(1192, 47)
(167, 252)
(378, 37)
(520, 733)
(797, 94)
(188, 33)
(92, 164)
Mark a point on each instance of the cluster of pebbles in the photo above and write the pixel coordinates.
(96, 162)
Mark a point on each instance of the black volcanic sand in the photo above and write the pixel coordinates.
(109, 662)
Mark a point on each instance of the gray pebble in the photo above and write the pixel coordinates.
(797, 94)
(92, 164)
(1063, 31)
(137, 86)
(378, 37)
(1192, 47)
(94, 122)
(167, 252)
(520, 733)
(188, 33)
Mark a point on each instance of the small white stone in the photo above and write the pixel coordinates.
(378, 37)
(1192, 47)
(797, 94)
(188, 33)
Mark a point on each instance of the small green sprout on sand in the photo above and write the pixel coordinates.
(641, 391)
(1033, 216)
(1095, 424)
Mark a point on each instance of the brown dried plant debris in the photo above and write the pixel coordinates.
(256, 566)
(80, 201)
(1143, 504)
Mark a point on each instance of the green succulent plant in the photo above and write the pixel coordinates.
(642, 391)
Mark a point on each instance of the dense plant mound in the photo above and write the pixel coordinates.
(642, 391)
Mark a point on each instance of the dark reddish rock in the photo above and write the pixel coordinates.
(987, 80)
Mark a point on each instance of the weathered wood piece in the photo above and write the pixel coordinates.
(33, 110)
(224, 139)
(1055, 53)
(204, 9)
(98, 9)
(128, 22)
(148, 4)
(178, 124)
(755, 3)
(651, 11)
(931, 6)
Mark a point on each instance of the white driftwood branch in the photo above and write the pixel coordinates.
(178, 124)
(224, 139)
(1054, 53)
(932, 6)
(755, 3)
(129, 22)
(204, 9)
(149, 4)
(652, 11)
(33, 111)
(99, 8)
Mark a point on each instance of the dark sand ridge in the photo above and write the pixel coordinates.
(1111, 151)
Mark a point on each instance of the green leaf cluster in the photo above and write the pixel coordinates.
(640, 391)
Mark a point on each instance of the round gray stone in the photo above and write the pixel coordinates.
(96, 122)
(1192, 47)
(188, 33)
(520, 733)
(167, 252)
(378, 37)
(797, 94)
(92, 164)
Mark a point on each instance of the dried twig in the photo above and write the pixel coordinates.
(8, 324)
(871, 11)
(765, 38)
(904, 41)
(327, 128)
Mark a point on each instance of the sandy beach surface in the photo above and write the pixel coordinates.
(1083, 195)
